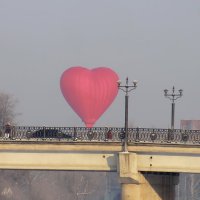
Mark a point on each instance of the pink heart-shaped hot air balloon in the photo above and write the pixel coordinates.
(89, 92)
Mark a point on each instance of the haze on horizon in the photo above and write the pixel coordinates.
(155, 42)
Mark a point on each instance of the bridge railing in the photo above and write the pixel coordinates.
(164, 136)
(79, 134)
(100, 134)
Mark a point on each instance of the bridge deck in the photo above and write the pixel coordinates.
(97, 156)
(70, 148)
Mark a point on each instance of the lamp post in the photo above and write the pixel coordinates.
(173, 97)
(126, 88)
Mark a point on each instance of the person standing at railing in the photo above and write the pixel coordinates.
(108, 134)
(7, 130)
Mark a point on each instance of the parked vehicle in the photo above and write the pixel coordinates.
(50, 133)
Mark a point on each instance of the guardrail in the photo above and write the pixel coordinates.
(100, 134)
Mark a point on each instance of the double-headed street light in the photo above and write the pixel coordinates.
(173, 97)
(126, 88)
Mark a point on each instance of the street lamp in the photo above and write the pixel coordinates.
(173, 97)
(126, 88)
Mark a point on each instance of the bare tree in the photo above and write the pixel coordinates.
(7, 108)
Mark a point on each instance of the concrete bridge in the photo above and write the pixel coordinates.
(149, 170)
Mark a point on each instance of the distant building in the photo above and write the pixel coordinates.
(190, 124)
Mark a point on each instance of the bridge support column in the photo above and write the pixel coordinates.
(130, 191)
(143, 186)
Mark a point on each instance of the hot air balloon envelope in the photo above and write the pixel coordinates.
(89, 92)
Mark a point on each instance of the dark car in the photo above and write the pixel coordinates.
(50, 133)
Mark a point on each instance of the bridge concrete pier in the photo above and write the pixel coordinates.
(130, 191)
(142, 186)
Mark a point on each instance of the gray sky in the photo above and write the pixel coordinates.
(153, 41)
